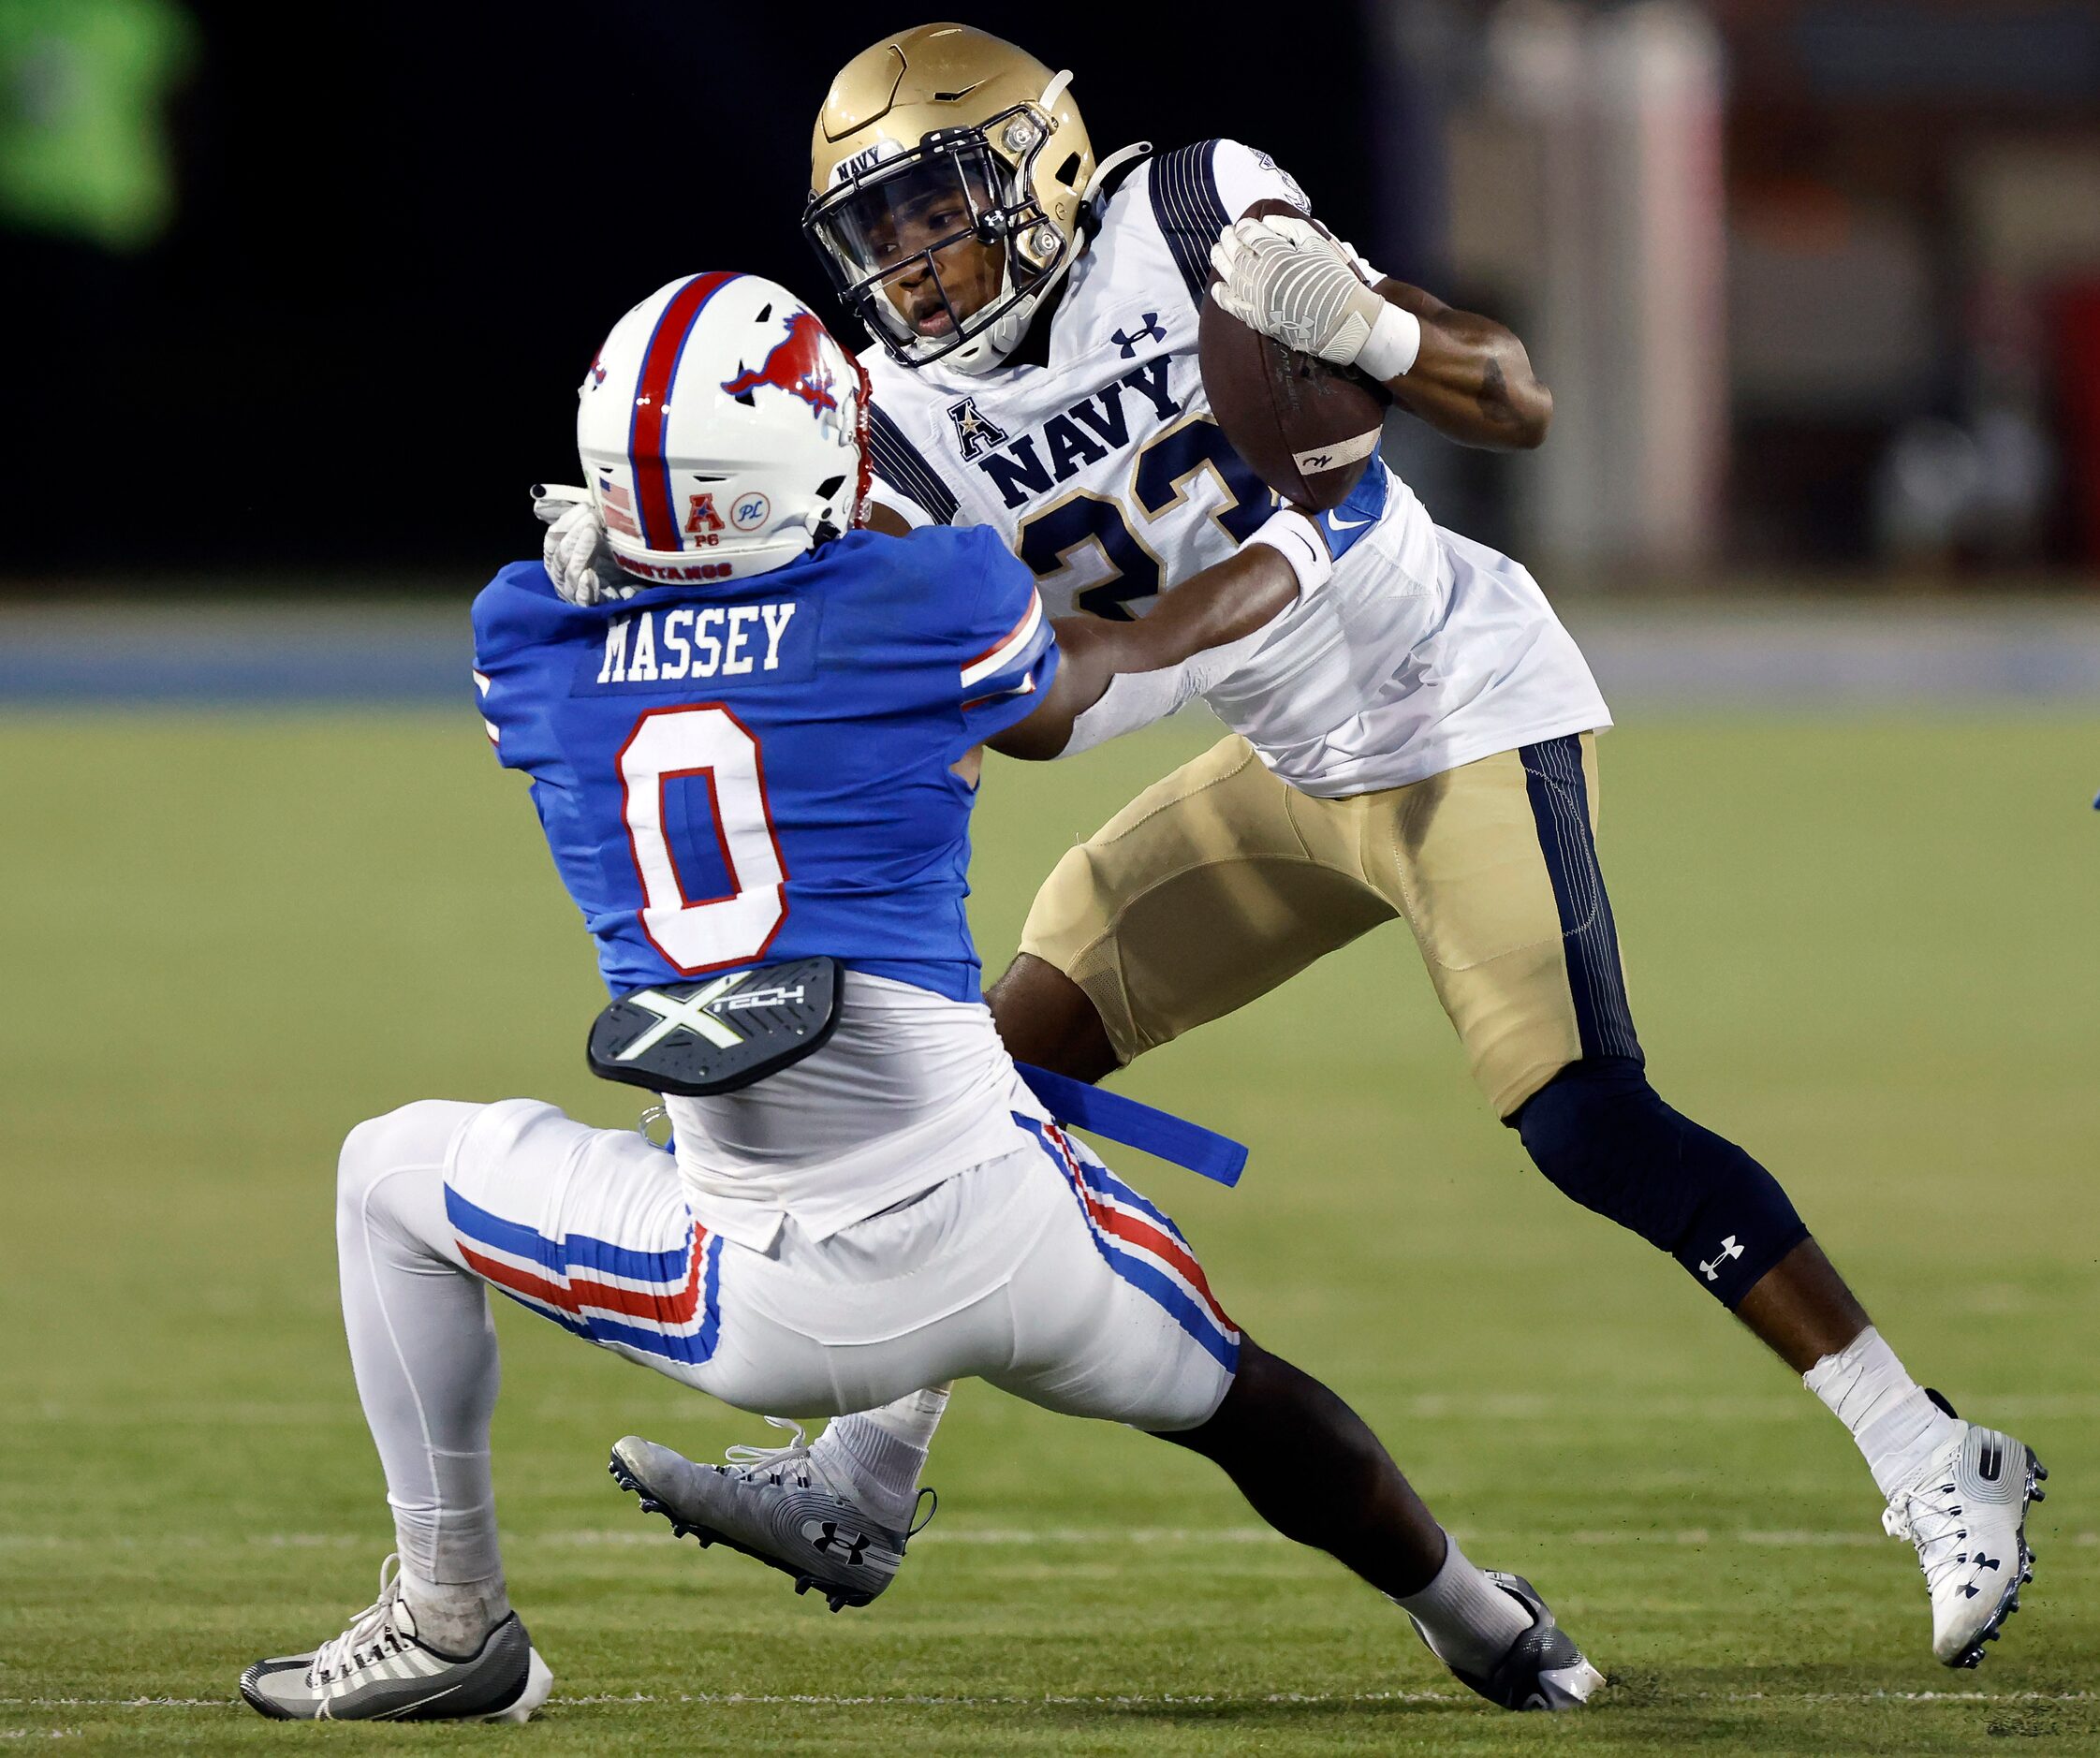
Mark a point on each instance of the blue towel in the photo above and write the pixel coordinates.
(1110, 1114)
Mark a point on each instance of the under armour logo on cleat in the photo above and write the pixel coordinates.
(1728, 1249)
(1151, 333)
(1987, 1562)
(851, 1546)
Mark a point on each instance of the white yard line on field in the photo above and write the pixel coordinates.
(1620, 1408)
(998, 1538)
(934, 1700)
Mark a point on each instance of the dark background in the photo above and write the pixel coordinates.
(401, 230)
(1816, 282)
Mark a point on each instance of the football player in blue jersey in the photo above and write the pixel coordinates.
(755, 777)
(1416, 743)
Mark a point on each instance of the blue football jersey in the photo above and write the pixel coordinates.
(761, 769)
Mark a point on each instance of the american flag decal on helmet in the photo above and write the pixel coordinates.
(618, 507)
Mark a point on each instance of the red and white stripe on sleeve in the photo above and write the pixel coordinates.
(1009, 665)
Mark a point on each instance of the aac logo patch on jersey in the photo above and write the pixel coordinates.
(975, 432)
(1084, 433)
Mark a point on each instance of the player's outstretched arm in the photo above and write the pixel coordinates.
(1154, 665)
(1466, 376)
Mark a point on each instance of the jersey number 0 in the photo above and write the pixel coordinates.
(707, 744)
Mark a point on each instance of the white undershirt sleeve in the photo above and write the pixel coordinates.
(1138, 698)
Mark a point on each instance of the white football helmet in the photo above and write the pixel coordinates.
(723, 431)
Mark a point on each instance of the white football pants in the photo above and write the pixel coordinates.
(1038, 1271)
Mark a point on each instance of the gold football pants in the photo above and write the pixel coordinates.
(1218, 882)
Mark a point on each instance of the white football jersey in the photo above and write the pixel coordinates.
(1106, 473)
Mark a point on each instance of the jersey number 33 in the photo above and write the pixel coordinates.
(1159, 484)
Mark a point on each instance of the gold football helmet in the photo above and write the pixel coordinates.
(949, 172)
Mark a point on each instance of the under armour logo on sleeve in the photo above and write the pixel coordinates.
(1728, 1249)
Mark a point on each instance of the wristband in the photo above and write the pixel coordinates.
(1299, 542)
(1394, 342)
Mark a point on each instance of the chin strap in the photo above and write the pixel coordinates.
(1106, 168)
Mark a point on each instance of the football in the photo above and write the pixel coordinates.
(1305, 428)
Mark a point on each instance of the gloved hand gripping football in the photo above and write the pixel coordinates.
(1291, 280)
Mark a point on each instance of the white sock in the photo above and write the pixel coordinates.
(876, 1456)
(424, 1352)
(1896, 1426)
(455, 1616)
(1467, 1621)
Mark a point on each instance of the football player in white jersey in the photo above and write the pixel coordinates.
(864, 1192)
(1418, 741)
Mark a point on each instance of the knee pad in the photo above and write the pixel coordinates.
(1603, 1136)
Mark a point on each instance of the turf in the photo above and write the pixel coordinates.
(1866, 949)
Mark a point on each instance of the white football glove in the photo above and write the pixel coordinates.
(1288, 279)
(578, 559)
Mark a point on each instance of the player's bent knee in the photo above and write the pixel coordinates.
(417, 1134)
(1046, 1018)
(1603, 1136)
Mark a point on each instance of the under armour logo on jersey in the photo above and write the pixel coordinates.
(975, 432)
(1728, 1249)
(851, 1546)
(1150, 332)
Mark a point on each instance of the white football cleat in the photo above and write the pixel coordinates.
(1966, 1513)
(378, 1670)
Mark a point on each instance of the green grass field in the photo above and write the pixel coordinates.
(1869, 949)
